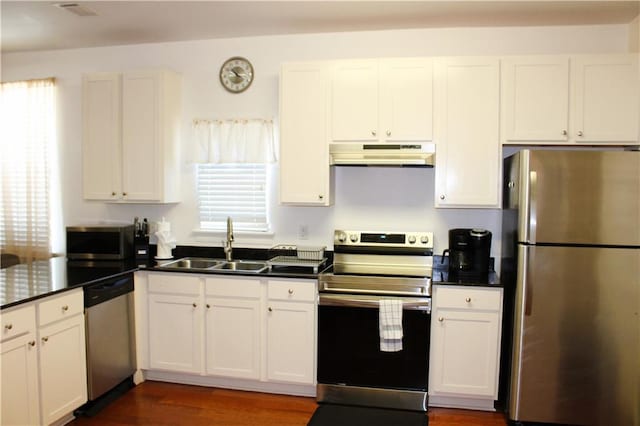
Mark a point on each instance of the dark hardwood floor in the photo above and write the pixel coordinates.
(157, 403)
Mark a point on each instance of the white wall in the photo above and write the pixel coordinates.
(365, 197)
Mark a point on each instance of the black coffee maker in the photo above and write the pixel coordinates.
(469, 252)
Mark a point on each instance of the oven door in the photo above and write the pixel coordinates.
(349, 343)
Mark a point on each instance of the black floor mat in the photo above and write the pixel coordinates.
(347, 415)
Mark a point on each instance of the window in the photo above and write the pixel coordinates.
(27, 117)
(236, 190)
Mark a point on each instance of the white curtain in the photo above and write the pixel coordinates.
(234, 141)
(27, 132)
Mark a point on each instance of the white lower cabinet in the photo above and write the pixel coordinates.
(465, 347)
(290, 344)
(44, 373)
(233, 318)
(242, 332)
(19, 363)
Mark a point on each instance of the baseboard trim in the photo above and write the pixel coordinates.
(481, 404)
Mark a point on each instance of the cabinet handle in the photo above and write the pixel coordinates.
(32, 343)
(45, 339)
(65, 308)
(468, 300)
(564, 133)
(373, 133)
(8, 326)
(290, 291)
(580, 133)
(442, 197)
(195, 305)
(388, 132)
(440, 319)
(270, 309)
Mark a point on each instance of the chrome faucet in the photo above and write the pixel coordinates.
(228, 250)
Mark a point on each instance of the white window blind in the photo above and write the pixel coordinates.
(27, 132)
(236, 190)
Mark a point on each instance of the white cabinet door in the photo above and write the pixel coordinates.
(175, 324)
(20, 399)
(535, 99)
(233, 337)
(63, 369)
(466, 117)
(406, 100)
(291, 342)
(305, 177)
(354, 101)
(464, 348)
(131, 136)
(605, 98)
(101, 149)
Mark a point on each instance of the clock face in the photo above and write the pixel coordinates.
(236, 74)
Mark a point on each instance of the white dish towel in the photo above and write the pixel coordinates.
(390, 325)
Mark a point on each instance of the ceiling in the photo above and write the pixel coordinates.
(41, 25)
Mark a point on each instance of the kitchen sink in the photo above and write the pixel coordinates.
(196, 263)
(191, 263)
(242, 266)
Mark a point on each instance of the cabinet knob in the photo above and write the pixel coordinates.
(195, 305)
(124, 194)
(290, 291)
(564, 133)
(388, 132)
(468, 300)
(270, 309)
(208, 306)
(32, 343)
(8, 326)
(373, 133)
(113, 194)
(320, 197)
(442, 197)
(580, 133)
(45, 339)
(65, 308)
(440, 319)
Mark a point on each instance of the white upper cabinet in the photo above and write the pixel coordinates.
(582, 99)
(466, 127)
(535, 99)
(605, 97)
(305, 176)
(131, 125)
(382, 100)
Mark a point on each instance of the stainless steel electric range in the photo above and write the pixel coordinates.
(370, 267)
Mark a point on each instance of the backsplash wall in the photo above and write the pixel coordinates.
(388, 198)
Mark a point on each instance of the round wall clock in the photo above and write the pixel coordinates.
(236, 74)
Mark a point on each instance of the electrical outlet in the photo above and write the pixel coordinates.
(303, 232)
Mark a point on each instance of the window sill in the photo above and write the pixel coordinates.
(240, 237)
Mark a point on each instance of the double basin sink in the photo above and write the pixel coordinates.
(204, 264)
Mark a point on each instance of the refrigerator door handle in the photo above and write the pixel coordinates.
(526, 288)
(533, 206)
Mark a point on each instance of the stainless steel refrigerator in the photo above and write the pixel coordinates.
(571, 258)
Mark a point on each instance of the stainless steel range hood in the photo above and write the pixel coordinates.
(397, 154)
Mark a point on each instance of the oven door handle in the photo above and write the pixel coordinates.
(363, 301)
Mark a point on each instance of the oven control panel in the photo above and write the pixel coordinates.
(383, 239)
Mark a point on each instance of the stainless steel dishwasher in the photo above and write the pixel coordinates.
(110, 334)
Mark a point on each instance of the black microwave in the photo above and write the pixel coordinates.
(100, 242)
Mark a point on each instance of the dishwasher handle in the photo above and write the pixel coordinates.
(111, 288)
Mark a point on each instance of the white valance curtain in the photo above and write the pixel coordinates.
(234, 141)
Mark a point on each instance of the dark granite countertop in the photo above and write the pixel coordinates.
(441, 275)
(26, 282)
